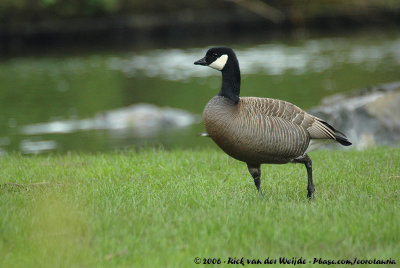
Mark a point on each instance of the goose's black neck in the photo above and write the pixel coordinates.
(231, 80)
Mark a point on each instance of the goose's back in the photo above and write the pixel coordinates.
(256, 130)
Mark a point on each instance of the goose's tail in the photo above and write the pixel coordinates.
(339, 136)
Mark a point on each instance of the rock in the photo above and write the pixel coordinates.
(368, 116)
(35, 147)
(140, 120)
(145, 119)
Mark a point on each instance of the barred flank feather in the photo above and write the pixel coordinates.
(264, 130)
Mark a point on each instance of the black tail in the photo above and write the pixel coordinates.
(343, 140)
(339, 136)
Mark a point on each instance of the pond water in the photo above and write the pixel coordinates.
(75, 90)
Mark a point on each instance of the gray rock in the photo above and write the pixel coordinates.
(141, 120)
(368, 116)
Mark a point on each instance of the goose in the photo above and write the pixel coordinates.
(260, 130)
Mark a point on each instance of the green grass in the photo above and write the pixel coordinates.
(158, 208)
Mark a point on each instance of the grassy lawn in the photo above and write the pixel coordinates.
(158, 208)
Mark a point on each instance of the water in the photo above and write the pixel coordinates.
(76, 92)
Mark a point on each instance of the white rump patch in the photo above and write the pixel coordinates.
(316, 143)
(219, 63)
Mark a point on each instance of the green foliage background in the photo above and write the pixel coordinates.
(39, 9)
(83, 8)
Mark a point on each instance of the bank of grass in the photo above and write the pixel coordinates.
(158, 208)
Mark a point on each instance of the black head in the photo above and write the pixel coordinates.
(217, 57)
(224, 60)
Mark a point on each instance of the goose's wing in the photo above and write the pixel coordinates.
(316, 127)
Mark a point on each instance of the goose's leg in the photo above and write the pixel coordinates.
(255, 171)
(306, 160)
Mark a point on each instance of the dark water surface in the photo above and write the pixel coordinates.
(71, 88)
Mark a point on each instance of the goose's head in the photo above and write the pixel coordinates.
(217, 58)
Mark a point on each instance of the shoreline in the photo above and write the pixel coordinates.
(185, 28)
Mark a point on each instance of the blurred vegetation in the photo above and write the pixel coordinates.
(88, 8)
(42, 9)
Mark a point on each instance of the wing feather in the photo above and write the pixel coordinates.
(315, 127)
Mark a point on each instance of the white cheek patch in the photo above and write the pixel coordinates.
(219, 63)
